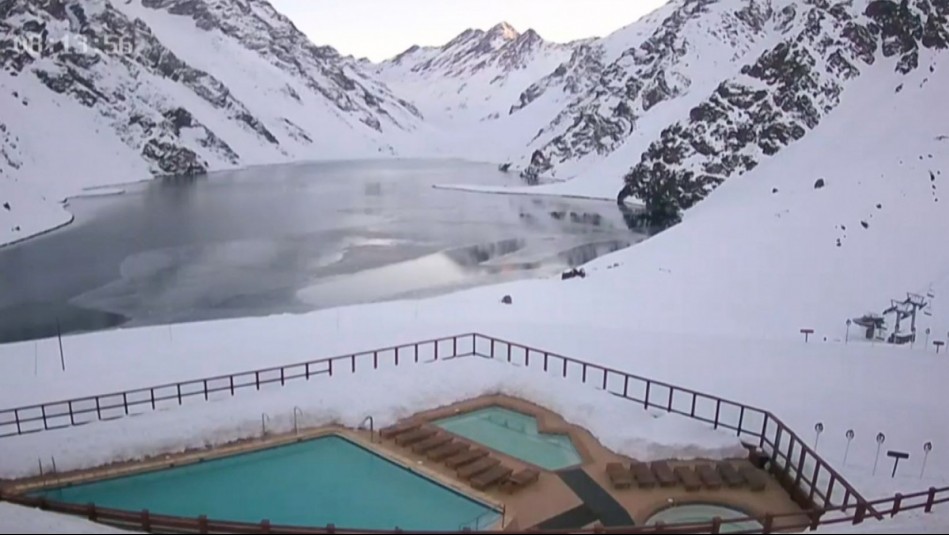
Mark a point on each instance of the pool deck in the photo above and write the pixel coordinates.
(554, 497)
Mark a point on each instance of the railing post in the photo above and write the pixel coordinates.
(99, 409)
(436, 349)
(527, 357)
(768, 525)
(416, 354)
(897, 504)
(454, 346)
(509, 353)
(43, 411)
(564, 367)
(584, 373)
(815, 520)
(764, 430)
(151, 395)
(694, 398)
(717, 525)
(375, 360)
(125, 402)
(930, 500)
(626, 386)
(817, 467)
(492, 348)
(256, 380)
(670, 399)
(72, 418)
(605, 375)
(800, 467)
(205, 390)
(546, 358)
(718, 411)
(282, 375)
(741, 419)
(830, 491)
(648, 388)
(146, 521)
(16, 416)
(860, 514)
(179, 393)
(397, 355)
(231, 381)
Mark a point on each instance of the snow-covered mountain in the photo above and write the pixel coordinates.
(697, 92)
(476, 75)
(98, 91)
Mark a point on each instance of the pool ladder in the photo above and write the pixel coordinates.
(296, 427)
(264, 418)
(372, 426)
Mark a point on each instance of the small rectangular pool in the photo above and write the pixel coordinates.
(515, 434)
(328, 480)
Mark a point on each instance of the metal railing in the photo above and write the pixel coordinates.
(810, 480)
(791, 522)
(84, 410)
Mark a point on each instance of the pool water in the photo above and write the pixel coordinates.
(328, 480)
(514, 434)
(702, 513)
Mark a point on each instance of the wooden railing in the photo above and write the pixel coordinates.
(825, 495)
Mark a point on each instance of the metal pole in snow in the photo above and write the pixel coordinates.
(59, 334)
(847, 339)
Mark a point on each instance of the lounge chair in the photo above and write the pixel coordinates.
(520, 480)
(447, 450)
(619, 476)
(431, 443)
(709, 477)
(644, 477)
(730, 476)
(664, 474)
(398, 429)
(757, 481)
(411, 437)
(490, 477)
(465, 457)
(481, 465)
(690, 480)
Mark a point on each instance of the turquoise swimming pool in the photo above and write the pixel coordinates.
(514, 434)
(328, 480)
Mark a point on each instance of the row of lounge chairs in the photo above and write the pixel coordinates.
(710, 476)
(471, 463)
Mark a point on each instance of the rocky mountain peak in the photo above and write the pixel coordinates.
(505, 31)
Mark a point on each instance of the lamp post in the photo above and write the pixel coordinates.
(881, 438)
(927, 447)
(850, 435)
(818, 429)
(847, 339)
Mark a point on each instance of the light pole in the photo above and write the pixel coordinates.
(850, 435)
(847, 339)
(818, 428)
(927, 447)
(881, 438)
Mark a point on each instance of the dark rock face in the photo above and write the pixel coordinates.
(782, 95)
(172, 159)
(615, 96)
(820, 184)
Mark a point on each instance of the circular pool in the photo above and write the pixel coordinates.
(704, 513)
